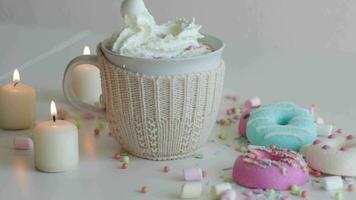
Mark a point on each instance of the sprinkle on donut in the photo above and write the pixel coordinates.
(255, 156)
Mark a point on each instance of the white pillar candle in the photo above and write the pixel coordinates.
(17, 104)
(55, 145)
(86, 81)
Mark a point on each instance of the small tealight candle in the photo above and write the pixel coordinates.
(17, 104)
(55, 144)
(86, 81)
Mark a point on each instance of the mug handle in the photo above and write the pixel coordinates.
(67, 84)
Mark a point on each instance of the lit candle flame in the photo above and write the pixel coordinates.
(16, 76)
(53, 110)
(86, 50)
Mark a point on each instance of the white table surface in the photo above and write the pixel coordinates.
(303, 76)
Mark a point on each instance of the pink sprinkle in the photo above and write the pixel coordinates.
(221, 121)
(125, 165)
(304, 194)
(340, 130)
(350, 137)
(166, 169)
(144, 189)
(97, 131)
(236, 117)
(117, 156)
(88, 116)
(350, 188)
(326, 147)
(332, 136)
(205, 174)
(316, 142)
(344, 149)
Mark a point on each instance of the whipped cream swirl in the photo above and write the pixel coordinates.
(142, 37)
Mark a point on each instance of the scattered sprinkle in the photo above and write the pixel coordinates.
(144, 189)
(96, 131)
(236, 117)
(205, 174)
(332, 136)
(243, 149)
(340, 130)
(338, 196)
(198, 156)
(125, 159)
(316, 142)
(166, 169)
(350, 188)
(350, 137)
(344, 149)
(304, 194)
(222, 136)
(294, 190)
(117, 156)
(125, 165)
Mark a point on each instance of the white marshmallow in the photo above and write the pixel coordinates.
(193, 174)
(349, 180)
(332, 182)
(325, 129)
(319, 120)
(23, 143)
(312, 110)
(229, 195)
(219, 189)
(253, 102)
(191, 190)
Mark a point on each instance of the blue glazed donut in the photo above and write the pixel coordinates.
(283, 124)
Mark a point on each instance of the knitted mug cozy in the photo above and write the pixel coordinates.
(160, 117)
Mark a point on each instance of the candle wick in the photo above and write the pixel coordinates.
(54, 118)
(16, 83)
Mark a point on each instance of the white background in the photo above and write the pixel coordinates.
(298, 50)
(315, 24)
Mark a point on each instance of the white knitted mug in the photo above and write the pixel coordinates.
(158, 109)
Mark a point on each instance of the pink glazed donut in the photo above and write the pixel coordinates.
(271, 168)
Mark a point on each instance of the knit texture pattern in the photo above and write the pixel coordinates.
(160, 117)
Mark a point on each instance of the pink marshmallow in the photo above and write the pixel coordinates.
(23, 143)
(253, 102)
(193, 174)
(243, 121)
